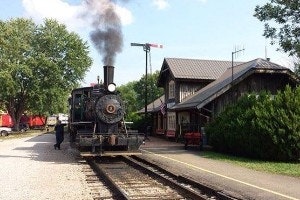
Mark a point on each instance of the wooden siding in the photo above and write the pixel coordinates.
(182, 90)
(254, 83)
(187, 89)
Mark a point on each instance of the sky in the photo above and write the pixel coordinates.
(199, 29)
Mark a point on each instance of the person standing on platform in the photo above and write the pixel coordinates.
(59, 134)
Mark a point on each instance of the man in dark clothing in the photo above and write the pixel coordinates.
(59, 134)
(148, 131)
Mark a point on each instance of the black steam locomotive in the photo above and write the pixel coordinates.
(97, 123)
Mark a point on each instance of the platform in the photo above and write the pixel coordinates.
(229, 178)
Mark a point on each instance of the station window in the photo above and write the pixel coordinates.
(171, 121)
(171, 89)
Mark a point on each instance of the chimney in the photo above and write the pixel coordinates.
(108, 75)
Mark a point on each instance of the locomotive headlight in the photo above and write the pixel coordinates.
(111, 87)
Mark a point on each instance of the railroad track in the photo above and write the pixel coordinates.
(98, 188)
(128, 182)
(135, 178)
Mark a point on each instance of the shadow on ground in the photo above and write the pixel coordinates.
(42, 150)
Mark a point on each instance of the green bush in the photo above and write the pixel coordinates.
(260, 126)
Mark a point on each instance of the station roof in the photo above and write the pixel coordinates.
(196, 69)
(154, 106)
(222, 84)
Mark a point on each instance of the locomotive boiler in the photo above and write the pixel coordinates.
(97, 125)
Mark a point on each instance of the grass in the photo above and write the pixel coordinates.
(283, 168)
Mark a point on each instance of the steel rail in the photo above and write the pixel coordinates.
(119, 192)
(209, 191)
(186, 192)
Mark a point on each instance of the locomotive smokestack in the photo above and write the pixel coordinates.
(108, 74)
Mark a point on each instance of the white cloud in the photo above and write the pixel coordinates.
(56, 9)
(67, 13)
(125, 15)
(161, 4)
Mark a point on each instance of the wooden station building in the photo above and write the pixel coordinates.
(195, 90)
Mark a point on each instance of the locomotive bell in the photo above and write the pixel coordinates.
(108, 75)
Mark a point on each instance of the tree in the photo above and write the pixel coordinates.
(133, 93)
(296, 62)
(286, 15)
(40, 64)
(153, 92)
(129, 95)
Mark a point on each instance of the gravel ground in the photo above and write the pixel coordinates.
(32, 169)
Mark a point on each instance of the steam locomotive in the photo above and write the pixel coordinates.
(97, 125)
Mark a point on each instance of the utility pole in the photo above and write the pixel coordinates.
(146, 48)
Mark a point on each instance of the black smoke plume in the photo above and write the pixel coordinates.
(107, 29)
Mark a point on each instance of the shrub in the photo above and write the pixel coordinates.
(260, 126)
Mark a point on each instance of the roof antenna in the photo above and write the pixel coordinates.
(235, 54)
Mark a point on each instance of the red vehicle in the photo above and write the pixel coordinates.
(33, 121)
(26, 121)
(194, 139)
(5, 120)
